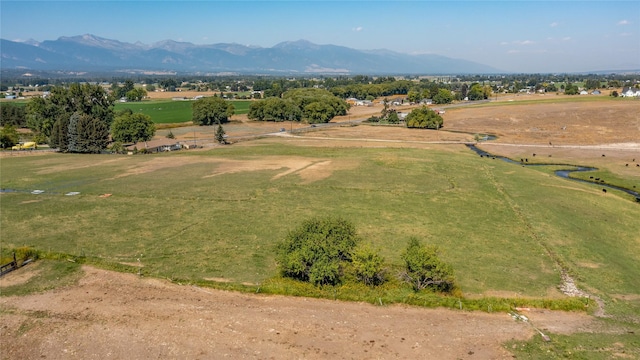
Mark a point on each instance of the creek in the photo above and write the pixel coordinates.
(563, 173)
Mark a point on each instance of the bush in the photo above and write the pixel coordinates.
(318, 250)
(25, 253)
(423, 268)
(368, 266)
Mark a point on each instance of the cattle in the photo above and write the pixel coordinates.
(604, 191)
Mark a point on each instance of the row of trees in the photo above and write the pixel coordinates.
(81, 119)
(311, 105)
(326, 251)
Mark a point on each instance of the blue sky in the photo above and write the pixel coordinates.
(517, 36)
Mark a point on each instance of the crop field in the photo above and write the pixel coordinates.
(214, 216)
(172, 111)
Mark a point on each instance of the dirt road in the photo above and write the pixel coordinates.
(114, 315)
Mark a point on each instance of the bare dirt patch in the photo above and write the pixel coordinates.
(123, 316)
(20, 275)
(308, 169)
(563, 123)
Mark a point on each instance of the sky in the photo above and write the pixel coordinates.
(512, 36)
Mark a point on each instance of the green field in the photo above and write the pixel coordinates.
(503, 227)
(172, 111)
(194, 216)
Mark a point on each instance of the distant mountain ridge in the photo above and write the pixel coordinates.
(92, 53)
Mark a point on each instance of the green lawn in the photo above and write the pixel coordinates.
(172, 111)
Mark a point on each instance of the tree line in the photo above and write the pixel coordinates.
(79, 118)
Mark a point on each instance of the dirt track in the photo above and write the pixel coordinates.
(114, 315)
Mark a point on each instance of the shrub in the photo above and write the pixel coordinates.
(24, 253)
(317, 250)
(368, 266)
(423, 268)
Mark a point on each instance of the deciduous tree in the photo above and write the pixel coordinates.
(317, 251)
(424, 118)
(129, 127)
(9, 136)
(423, 268)
(211, 111)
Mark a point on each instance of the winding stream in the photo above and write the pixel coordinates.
(563, 173)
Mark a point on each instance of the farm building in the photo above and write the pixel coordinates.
(630, 92)
(157, 145)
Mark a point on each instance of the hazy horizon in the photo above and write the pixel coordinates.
(516, 36)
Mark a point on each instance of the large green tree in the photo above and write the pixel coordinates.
(424, 118)
(318, 250)
(9, 136)
(317, 105)
(79, 133)
(129, 127)
(93, 110)
(136, 94)
(443, 96)
(476, 92)
(211, 111)
(12, 114)
(274, 109)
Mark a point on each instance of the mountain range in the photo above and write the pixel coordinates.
(92, 53)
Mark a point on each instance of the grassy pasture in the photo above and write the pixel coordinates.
(172, 111)
(217, 214)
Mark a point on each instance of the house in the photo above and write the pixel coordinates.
(156, 145)
(630, 92)
(426, 101)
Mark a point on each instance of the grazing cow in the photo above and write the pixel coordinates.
(590, 177)
(534, 154)
(638, 199)
(637, 165)
(602, 155)
(626, 164)
(526, 160)
(634, 160)
(604, 191)
(521, 160)
(597, 179)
